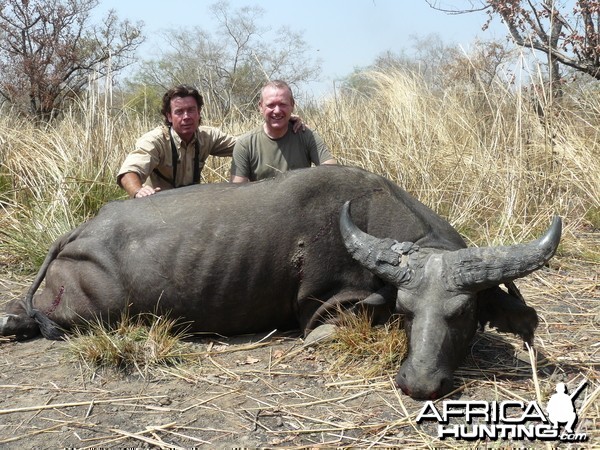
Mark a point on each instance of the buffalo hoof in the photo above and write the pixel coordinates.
(322, 333)
(19, 327)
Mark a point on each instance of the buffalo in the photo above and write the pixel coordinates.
(288, 253)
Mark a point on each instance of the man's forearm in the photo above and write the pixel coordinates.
(131, 183)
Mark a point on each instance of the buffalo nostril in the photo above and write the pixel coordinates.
(433, 396)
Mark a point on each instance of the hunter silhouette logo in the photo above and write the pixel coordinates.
(561, 408)
(507, 420)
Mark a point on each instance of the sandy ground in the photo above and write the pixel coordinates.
(246, 393)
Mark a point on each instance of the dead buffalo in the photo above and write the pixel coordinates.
(288, 253)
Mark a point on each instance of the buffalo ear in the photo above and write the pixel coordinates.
(507, 312)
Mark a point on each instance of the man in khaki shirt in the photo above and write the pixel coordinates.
(150, 167)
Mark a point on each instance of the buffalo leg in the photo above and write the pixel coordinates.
(15, 322)
(507, 313)
(380, 305)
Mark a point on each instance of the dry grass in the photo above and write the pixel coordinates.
(142, 344)
(490, 166)
(362, 350)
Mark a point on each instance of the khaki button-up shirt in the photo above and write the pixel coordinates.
(153, 154)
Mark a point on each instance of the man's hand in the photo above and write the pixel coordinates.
(297, 123)
(239, 179)
(145, 191)
(132, 184)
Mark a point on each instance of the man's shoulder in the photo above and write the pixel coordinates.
(210, 131)
(250, 136)
(309, 133)
(256, 131)
(158, 133)
(303, 139)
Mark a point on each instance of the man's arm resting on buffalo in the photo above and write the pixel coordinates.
(132, 184)
(239, 179)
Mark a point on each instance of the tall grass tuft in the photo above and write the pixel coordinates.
(57, 176)
(140, 344)
(361, 349)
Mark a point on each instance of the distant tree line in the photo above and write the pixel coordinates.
(50, 51)
(230, 65)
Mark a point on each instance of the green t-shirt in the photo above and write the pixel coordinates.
(256, 156)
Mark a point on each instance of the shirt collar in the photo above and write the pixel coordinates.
(177, 139)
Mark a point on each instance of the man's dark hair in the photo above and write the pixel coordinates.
(180, 91)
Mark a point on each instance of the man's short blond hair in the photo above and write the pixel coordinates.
(277, 84)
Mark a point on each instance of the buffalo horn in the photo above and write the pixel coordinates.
(373, 253)
(489, 266)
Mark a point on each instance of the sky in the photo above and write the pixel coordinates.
(343, 34)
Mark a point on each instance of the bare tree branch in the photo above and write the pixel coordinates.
(49, 49)
(568, 36)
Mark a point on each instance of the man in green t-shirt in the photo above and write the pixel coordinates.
(273, 147)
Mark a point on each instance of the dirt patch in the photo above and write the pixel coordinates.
(246, 393)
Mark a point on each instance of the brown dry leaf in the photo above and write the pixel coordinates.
(248, 360)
